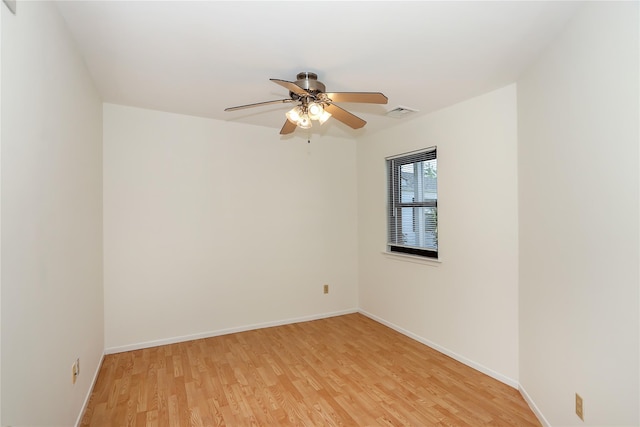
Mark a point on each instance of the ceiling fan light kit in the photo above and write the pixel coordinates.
(316, 104)
(302, 115)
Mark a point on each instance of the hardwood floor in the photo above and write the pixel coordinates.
(341, 371)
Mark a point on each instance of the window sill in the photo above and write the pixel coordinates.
(413, 258)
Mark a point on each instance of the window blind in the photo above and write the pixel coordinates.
(413, 203)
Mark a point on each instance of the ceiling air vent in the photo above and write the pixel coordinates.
(400, 112)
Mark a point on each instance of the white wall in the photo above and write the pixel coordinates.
(0, 221)
(468, 304)
(579, 249)
(212, 226)
(52, 295)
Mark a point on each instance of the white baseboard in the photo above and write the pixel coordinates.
(93, 384)
(534, 407)
(478, 367)
(234, 330)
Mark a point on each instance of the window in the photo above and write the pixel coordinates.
(413, 203)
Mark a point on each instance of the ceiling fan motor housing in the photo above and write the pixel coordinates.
(309, 81)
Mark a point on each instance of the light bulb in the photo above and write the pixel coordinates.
(315, 110)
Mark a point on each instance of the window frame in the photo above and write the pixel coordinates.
(394, 202)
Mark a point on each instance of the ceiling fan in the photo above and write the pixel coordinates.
(316, 104)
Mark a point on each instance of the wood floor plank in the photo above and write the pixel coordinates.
(342, 371)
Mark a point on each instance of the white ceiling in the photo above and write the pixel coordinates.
(199, 57)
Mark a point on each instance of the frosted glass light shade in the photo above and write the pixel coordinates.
(315, 111)
(324, 116)
(304, 122)
(294, 114)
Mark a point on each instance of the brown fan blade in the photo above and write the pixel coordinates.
(288, 127)
(345, 117)
(258, 104)
(361, 97)
(291, 86)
